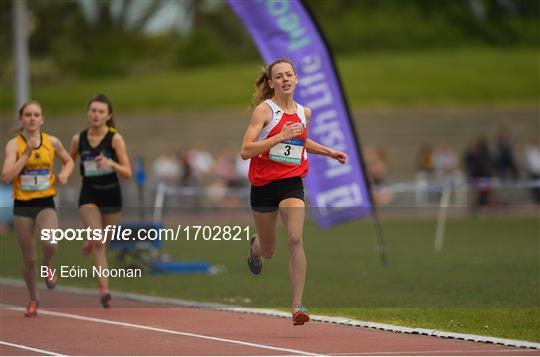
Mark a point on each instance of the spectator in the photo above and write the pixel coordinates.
(242, 170)
(225, 179)
(187, 179)
(448, 172)
(225, 169)
(532, 166)
(375, 161)
(445, 162)
(202, 162)
(504, 157)
(479, 167)
(166, 168)
(424, 159)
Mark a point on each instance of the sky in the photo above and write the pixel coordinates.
(171, 14)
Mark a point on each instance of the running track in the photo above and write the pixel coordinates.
(79, 327)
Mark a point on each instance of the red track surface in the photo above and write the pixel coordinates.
(137, 329)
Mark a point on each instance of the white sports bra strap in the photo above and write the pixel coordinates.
(301, 114)
(277, 113)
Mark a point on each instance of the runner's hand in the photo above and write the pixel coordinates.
(339, 156)
(31, 145)
(103, 162)
(61, 178)
(291, 130)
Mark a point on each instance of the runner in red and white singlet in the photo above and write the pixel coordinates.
(277, 143)
(286, 159)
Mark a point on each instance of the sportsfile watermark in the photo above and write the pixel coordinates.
(118, 233)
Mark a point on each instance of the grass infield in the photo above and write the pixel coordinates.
(450, 77)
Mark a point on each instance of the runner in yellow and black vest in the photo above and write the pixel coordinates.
(28, 163)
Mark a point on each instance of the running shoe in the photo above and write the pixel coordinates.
(104, 299)
(50, 279)
(300, 315)
(31, 309)
(254, 264)
(87, 248)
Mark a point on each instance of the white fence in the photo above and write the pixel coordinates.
(413, 194)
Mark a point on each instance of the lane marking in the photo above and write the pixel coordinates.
(28, 348)
(157, 329)
(343, 321)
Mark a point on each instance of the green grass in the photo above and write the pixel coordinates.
(453, 77)
(487, 275)
(521, 323)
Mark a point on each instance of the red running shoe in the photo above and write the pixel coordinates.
(87, 248)
(300, 315)
(31, 309)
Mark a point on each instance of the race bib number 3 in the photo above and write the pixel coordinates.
(289, 151)
(35, 180)
(91, 168)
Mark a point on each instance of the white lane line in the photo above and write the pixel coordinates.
(426, 352)
(156, 329)
(28, 348)
(342, 321)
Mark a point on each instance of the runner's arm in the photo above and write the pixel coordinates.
(122, 167)
(67, 161)
(13, 166)
(74, 149)
(314, 147)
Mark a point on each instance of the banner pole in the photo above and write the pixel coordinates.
(379, 240)
(377, 231)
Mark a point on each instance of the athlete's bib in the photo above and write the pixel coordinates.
(91, 168)
(289, 151)
(35, 180)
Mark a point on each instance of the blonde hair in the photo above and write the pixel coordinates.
(30, 102)
(262, 88)
(21, 112)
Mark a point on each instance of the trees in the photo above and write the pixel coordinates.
(117, 37)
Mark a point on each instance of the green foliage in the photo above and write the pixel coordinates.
(219, 37)
(82, 45)
(6, 33)
(460, 77)
(200, 48)
(360, 26)
(113, 44)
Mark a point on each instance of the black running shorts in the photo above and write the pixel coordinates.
(31, 208)
(108, 200)
(266, 198)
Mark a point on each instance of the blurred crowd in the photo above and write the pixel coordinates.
(220, 179)
(481, 166)
(215, 177)
(484, 162)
